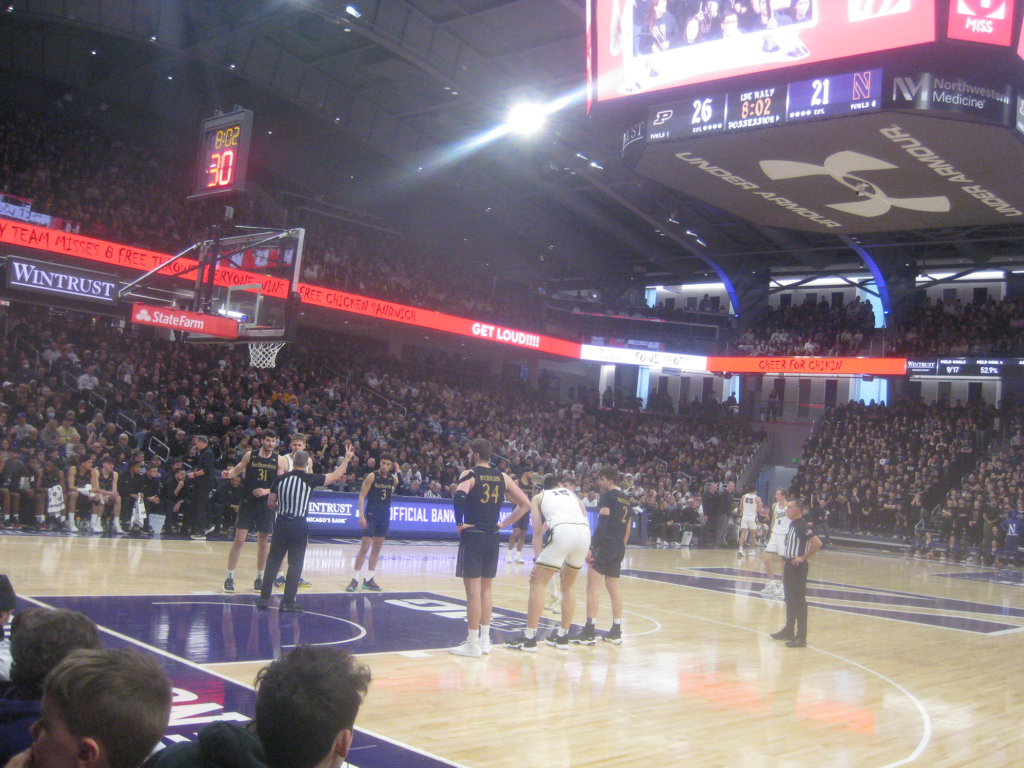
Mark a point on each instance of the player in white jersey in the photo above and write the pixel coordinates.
(750, 509)
(296, 443)
(566, 545)
(777, 542)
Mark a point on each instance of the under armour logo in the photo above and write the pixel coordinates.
(841, 166)
(663, 116)
(143, 314)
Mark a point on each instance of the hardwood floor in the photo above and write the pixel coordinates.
(909, 661)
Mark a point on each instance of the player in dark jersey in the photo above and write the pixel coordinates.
(478, 499)
(374, 519)
(104, 488)
(261, 469)
(607, 549)
(534, 480)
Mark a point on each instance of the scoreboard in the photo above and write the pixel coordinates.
(958, 367)
(824, 96)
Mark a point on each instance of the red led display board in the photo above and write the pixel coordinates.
(642, 47)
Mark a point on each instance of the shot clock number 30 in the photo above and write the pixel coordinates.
(223, 154)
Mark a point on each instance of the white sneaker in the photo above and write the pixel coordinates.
(769, 589)
(117, 525)
(97, 526)
(71, 523)
(519, 558)
(485, 644)
(466, 648)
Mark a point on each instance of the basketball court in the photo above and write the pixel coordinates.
(910, 662)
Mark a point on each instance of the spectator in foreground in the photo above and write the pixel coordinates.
(8, 602)
(40, 640)
(306, 707)
(100, 709)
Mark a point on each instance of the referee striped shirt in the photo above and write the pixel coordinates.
(293, 490)
(796, 540)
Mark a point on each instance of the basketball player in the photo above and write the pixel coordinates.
(104, 488)
(375, 519)
(261, 470)
(607, 549)
(566, 545)
(296, 443)
(751, 508)
(477, 503)
(80, 497)
(554, 601)
(777, 542)
(522, 525)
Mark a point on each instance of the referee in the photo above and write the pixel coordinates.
(801, 543)
(289, 497)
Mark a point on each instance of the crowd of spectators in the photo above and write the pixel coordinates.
(937, 328)
(877, 468)
(373, 262)
(972, 520)
(102, 187)
(813, 328)
(139, 399)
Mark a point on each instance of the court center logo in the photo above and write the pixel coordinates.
(842, 167)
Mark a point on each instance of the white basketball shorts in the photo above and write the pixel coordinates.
(569, 545)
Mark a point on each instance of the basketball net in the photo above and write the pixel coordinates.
(263, 354)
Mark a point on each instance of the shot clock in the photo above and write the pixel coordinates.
(223, 154)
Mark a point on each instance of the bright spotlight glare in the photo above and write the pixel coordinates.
(526, 118)
(352, 11)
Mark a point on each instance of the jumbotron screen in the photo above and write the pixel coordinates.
(650, 45)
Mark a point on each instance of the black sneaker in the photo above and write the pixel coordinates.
(291, 608)
(257, 586)
(524, 644)
(561, 642)
(585, 636)
(229, 584)
(782, 635)
(797, 642)
(371, 586)
(262, 604)
(614, 635)
(353, 586)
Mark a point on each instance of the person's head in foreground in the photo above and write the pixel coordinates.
(100, 709)
(306, 707)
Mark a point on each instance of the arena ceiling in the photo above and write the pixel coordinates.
(385, 111)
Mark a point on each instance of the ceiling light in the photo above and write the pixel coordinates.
(231, 66)
(526, 118)
(595, 164)
(152, 38)
(352, 11)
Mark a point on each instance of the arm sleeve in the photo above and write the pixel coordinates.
(459, 502)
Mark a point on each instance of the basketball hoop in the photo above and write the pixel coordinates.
(263, 354)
